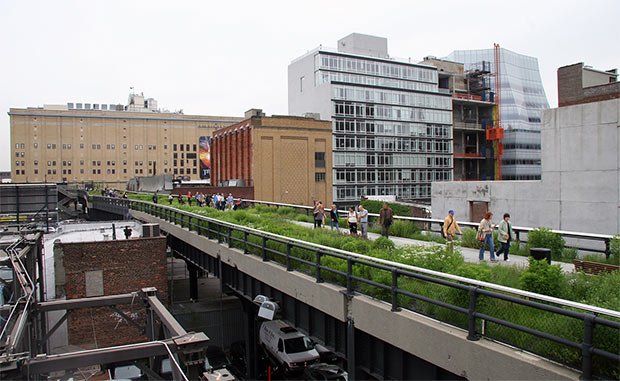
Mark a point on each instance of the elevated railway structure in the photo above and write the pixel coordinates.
(389, 320)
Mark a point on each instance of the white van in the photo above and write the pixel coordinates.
(287, 346)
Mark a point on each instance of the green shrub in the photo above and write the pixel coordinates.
(406, 229)
(437, 258)
(544, 237)
(542, 278)
(468, 239)
(383, 243)
(569, 254)
(614, 246)
(375, 207)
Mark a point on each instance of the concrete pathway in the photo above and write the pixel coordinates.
(469, 254)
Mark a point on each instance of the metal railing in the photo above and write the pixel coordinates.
(575, 334)
(435, 225)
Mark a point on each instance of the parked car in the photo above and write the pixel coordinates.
(287, 346)
(322, 371)
(326, 355)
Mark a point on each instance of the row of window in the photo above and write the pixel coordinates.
(355, 176)
(112, 146)
(521, 162)
(329, 77)
(392, 97)
(404, 191)
(183, 147)
(521, 146)
(362, 110)
(365, 160)
(391, 144)
(95, 163)
(356, 126)
(137, 171)
(370, 67)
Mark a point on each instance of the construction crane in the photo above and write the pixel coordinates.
(495, 133)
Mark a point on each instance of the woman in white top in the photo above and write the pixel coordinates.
(352, 219)
(485, 231)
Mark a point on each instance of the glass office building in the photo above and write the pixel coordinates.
(392, 128)
(522, 100)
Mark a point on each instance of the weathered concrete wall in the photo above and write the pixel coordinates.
(580, 185)
(437, 343)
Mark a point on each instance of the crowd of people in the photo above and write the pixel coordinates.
(357, 218)
(216, 200)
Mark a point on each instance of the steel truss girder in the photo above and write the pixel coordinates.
(188, 343)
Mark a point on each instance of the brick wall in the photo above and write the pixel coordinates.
(572, 92)
(126, 266)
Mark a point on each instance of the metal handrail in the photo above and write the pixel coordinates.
(605, 238)
(591, 317)
(456, 278)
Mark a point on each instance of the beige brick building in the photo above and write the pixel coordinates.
(59, 143)
(285, 158)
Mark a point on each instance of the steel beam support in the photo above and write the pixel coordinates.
(166, 317)
(54, 328)
(192, 342)
(97, 301)
(127, 318)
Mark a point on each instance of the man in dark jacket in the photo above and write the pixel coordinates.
(386, 217)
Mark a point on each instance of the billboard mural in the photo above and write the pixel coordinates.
(204, 154)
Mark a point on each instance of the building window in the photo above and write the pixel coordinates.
(36, 171)
(319, 159)
(319, 177)
(174, 147)
(81, 145)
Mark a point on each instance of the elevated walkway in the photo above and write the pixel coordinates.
(469, 254)
(446, 346)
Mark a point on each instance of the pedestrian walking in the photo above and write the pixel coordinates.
(505, 235)
(485, 236)
(170, 198)
(155, 197)
(319, 215)
(386, 217)
(362, 216)
(450, 226)
(352, 221)
(333, 215)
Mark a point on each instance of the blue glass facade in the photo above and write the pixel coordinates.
(522, 101)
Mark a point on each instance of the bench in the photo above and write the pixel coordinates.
(593, 267)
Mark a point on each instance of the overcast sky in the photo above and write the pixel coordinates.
(224, 57)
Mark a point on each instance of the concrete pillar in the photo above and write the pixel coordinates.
(351, 349)
(193, 281)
